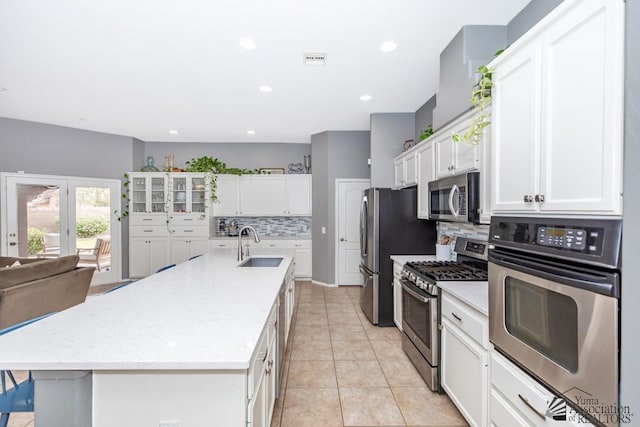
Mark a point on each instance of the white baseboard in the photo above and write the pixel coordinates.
(328, 285)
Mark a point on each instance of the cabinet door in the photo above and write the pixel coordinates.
(227, 193)
(465, 374)
(271, 376)
(139, 193)
(250, 196)
(257, 409)
(158, 254)
(138, 257)
(411, 169)
(426, 173)
(197, 247)
(514, 142)
(299, 195)
(444, 155)
(399, 173)
(303, 263)
(397, 303)
(273, 195)
(198, 194)
(179, 250)
(179, 193)
(581, 142)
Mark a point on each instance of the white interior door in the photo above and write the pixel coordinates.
(52, 216)
(348, 197)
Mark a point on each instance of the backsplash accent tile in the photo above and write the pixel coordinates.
(454, 229)
(294, 226)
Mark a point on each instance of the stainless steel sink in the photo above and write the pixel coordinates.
(261, 262)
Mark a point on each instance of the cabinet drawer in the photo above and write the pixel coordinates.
(466, 318)
(152, 230)
(519, 390)
(257, 364)
(189, 220)
(299, 244)
(147, 219)
(187, 230)
(502, 414)
(223, 244)
(274, 244)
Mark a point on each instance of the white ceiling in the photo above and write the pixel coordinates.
(143, 67)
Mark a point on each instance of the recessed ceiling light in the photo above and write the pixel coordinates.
(365, 98)
(251, 132)
(247, 43)
(173, 132)
(265, 89)
(388, 46)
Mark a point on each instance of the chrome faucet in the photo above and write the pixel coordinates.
(244, 252)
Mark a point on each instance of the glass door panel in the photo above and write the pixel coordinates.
(139, 195)
(197, 195)
(34, 217)
(158, 202)
(180, 195)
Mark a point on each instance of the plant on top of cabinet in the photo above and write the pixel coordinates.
(480, 99)
(213, 166)
(426, 133)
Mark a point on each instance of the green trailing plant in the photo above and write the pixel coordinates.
(212, 166)
(426, 133)
(480, 99)
(125, 196)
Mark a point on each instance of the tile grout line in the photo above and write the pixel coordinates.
(333, 358)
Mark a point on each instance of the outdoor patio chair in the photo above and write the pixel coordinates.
(50, 244)
(99, 254)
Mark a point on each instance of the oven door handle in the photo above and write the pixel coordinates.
(599, 282)
(414, 293)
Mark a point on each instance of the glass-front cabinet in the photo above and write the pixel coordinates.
(188, 193)
(148, 193)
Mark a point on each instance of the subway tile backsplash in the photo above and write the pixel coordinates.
(453, 229)
(269, 226)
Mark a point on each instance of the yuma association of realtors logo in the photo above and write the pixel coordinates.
(606, 414)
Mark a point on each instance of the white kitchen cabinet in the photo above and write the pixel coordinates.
(147, 194)
(406, 169)
(289, 308)
(227, 193)
(299, 195)
(397, 295)
(147, 255)
(465, 374)
(188, 194)
(426, 173)
(184, 248)
(455, 158)
(557, 148)
(263, 195)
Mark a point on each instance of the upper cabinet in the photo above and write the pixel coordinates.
(261, 195)
(426, 173)
(557, 114)
(454, 158)
(406, 169)
(188, 193)
(147, 193)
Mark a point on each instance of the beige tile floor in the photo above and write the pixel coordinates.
(342, 371)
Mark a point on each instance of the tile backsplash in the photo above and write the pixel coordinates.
(295, 226)
(455, 230)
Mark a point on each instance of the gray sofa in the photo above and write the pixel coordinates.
(40, 286)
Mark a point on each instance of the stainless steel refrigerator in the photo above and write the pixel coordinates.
(388, 226)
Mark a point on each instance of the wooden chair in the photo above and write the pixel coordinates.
(50, 245)
(99, 254)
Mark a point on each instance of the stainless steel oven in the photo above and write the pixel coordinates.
(455, 198)
(554, 288)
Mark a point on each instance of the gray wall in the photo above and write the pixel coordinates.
(474, 45)
(389, 131)
(424, 116)
(630, 300)
(40, 148)
(243, 155)
(528, 17)
(336, 154)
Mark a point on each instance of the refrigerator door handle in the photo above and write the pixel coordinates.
(363, 226)
(454, 190)
(363, 271)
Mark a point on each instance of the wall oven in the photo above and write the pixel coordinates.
(554, 289)
(455, 198)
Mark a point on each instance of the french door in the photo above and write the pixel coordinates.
(52, 216)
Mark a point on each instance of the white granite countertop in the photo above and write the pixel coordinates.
(203, 314)
(476, 294)
(403, 259)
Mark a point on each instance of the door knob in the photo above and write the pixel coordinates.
(342, 239)
(12, 243)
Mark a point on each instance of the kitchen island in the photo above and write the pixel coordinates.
(184, 347)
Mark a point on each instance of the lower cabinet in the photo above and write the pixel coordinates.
(184, 248)
(147, 255)
(290, 299)
(465, 364)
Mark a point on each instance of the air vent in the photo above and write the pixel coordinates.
(315, 58)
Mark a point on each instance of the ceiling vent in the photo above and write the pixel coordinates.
(315, 58)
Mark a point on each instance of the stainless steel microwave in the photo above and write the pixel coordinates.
(455, 198)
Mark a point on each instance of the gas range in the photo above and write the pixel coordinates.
(471, 265)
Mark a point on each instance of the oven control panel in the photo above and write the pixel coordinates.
(570, 238)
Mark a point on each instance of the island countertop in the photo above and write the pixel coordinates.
(203, 314)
